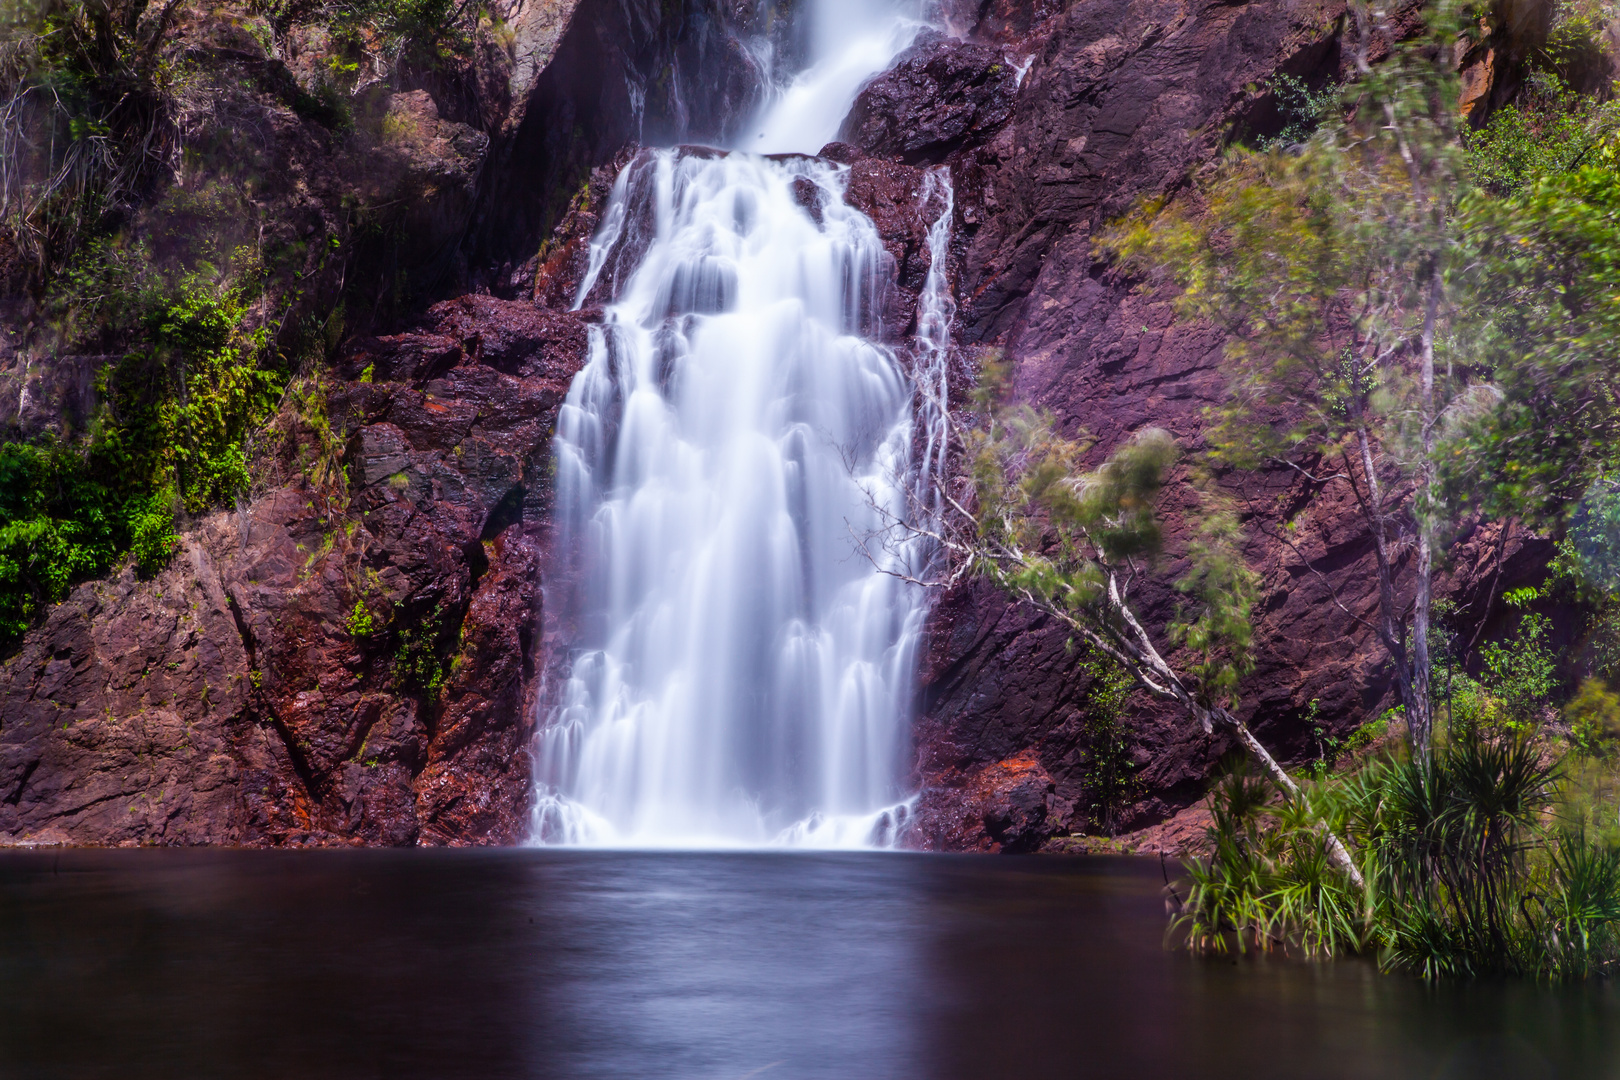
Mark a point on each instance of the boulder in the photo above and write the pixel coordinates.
(938, 96)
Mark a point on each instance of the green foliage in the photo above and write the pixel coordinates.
(1522, 672)
(1109, 774)
(360, 623)
(1326, 270)
(1366, 736)
(1217, 631)
(423, 34)
(419, 661)
(1424, 315)
(1589, 557)
(1576, 50)
(1540, 270)
(1268, 881)
(1593, 716)
(152, 538)
(216, 390)
(1302, 109)
(1316, 265)
(1073, 541)
(1465, 872)
(1327, 746)
(1589, 799)
(1549, 130)
(178, 411)
(431, 29)
(1448, 846)
(1585, 570)
(57, 525)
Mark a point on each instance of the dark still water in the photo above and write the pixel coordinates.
(700, 967)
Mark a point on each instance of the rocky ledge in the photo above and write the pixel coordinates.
(342, 659)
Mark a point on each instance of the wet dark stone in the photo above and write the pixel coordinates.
(937, 97)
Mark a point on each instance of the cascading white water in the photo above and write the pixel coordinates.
(744, 662)
(851, 40)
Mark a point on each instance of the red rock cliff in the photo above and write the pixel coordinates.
(350, 656)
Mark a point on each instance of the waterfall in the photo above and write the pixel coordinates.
(744, 653)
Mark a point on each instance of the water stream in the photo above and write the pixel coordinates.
(742, 667)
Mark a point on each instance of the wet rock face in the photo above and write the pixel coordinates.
(1125, 99)
(625, 73)
(939, 95)
(903, 207)
(1002, 21)
(346, 658)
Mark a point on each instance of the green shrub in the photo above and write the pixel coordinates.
(1468, 709)
(172, 434)
(1522, 672)
(152, 539)
(360, 623)
(216, 390)
(1367, 735)
(1467, 872)
(1593, 715)
(1549, 130)
(58, 524)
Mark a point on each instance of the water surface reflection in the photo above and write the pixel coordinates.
(700, 967)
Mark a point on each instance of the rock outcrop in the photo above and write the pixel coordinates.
(346, 657)
(359, 201)
(1123, 100)
(352, 654)
(940, 94)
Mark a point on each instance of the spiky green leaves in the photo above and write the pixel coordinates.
(1465, 874)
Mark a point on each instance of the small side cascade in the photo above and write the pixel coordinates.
(744, 655)
(936, 313)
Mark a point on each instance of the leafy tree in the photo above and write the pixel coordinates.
(1418, 313)
(1540, 272)
(1328, 271)
(1075, 543)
